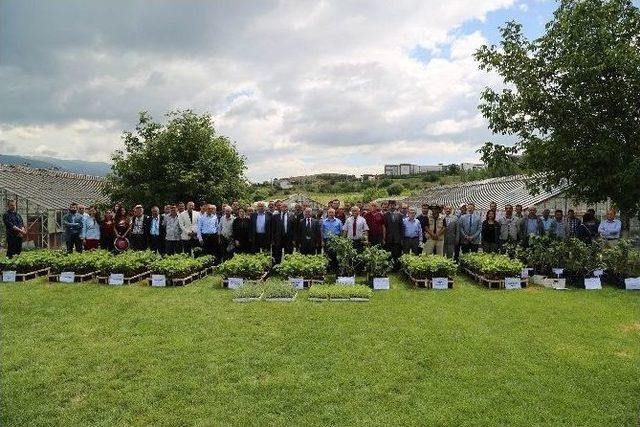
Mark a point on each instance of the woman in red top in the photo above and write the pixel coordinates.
(107, 231)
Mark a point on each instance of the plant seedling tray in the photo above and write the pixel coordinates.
(282, 299)
(225, 281)
(449, 281)
(492, 283)
(127, 280)
(77, 278)
(23, 277)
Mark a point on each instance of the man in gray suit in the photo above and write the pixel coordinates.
(451, 236)
(470, 228)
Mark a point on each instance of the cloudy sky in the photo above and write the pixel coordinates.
(300, 86)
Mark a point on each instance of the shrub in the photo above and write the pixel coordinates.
(80, 262)
(307, 266)
(428, 266)
(278, 289)
(491, 266)
(622, 260)
(377, 262)
(248, 290)
(247, 266)
(345, 254)
(394, 189)
(29, 261)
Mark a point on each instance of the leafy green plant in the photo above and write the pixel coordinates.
(129, 263)
(306, 266)
(180, 265)
(29, 261)
(346, 254)
(491, 266)
(80, 262)
(622, 260)
(248, 290)
(428, 266)
(278, 289)
(376, 261)
(247, 266)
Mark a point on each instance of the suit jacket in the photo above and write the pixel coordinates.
(277, 228)
(309, 236)
(188, 225)
(524, 235)
(470, 225)
(267, 225)
(452, 235)
(393, 225)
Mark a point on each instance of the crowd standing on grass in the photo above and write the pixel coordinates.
(280, 229)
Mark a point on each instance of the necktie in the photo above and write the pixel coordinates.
(284, 220)
(434, 226)
(470, 217)
(354, 226)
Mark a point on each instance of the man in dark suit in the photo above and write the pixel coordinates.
(393, 232)
(261, 229)
(282, 232)
(309, 239)
(140, 228)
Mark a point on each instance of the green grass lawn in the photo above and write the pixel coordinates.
(88, 354)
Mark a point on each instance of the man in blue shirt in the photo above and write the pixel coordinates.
(207, 229)
(156, 240)
(73, 222)
(558, 227)
(412, 230)
(331, 226)
(546, 220)
(14, 226)
(610, 228)
(531, 226)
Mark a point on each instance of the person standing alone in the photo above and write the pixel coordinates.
(15, 229)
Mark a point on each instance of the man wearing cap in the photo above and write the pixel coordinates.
(435, 231)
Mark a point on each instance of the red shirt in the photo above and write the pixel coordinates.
(375, 221)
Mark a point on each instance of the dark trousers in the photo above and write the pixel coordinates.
(172, 247)
(469, 247)
(456, 252)
(396, 250)
(490, 247)
(358, 245)
(375, 239)
(188, 245)
(284, 245)
(14, 245)
(155, 244)
(211, 245)
(138, 242)
(308, 248)
(73, 240)
(411, 245)
(333, 261)
(225, 253)
(261, 243)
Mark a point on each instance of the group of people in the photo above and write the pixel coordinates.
(280, 229)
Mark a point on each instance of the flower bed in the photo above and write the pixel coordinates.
(339, 293)
(181, 269)
(30, 264)
(246, 267)
(307, 267)
(491, 269)
(423, 268)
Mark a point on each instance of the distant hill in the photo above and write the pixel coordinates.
(77, 166)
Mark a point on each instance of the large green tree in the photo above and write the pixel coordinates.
(572, 99)
(181, 160)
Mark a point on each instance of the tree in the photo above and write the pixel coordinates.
(181, 160)
(372, 193)
(394, 189)
(500, 159)
(573, 100)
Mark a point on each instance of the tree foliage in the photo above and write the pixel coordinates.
(572, 99)
(500, 159)
(181, 160)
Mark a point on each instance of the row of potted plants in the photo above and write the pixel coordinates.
(30, 261)
(428, 266)
(246, 266)
(180, 266)
(303, 266)
(491, 266)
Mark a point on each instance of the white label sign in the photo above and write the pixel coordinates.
(158, 280)
(235, 282)
(440, 283)
(67, 277)
(380, 283)
(512, 283)
(632, 283)
(8, 276)
(297, 282)
(116, 279)
(525, 272)
(598, 273)
(592, 283)
(351, 280)
(558, 271)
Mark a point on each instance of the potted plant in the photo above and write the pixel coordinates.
(622, 263)
(377, 264)
(78, 266)
(306, 268)
(245, 267)
(422, 268)
(346, 256)
(30, 264)
(180, 268)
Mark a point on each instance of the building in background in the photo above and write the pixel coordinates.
(43, 196)
(411, 169)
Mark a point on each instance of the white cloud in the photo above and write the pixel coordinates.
(301, 87)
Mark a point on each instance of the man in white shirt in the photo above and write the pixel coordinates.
(226, 233)
(188, 221)
(355, 228)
